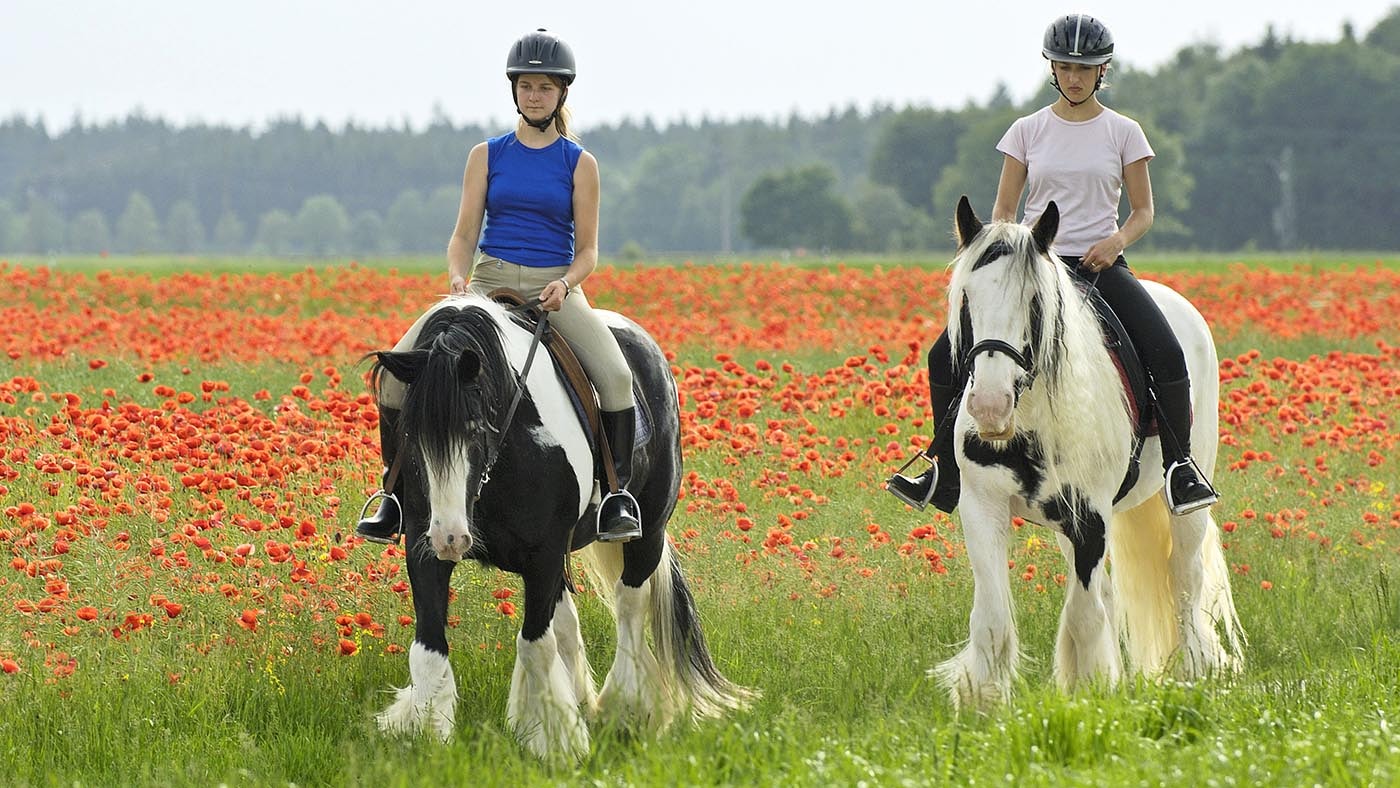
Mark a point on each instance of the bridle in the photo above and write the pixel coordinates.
(474, 390)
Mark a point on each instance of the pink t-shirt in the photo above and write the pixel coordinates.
(1079, 165)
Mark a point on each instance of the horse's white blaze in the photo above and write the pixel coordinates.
(543, 709)
(991, 396)
(449, 528)
(429, 700)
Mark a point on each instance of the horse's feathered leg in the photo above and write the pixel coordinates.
(569, 637)
(431, 695)
(636, 691)
(543, 707)
(981, 675)
(649, 688)
(1086, 647)
(681, 647)
(1201, 582)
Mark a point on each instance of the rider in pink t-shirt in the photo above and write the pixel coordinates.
(1080, 154)
(1079, 164)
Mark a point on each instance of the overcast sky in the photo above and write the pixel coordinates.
(387, 62)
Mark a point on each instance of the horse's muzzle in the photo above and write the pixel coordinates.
(450, 537)
(993, 410)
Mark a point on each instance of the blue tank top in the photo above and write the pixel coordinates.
(530, 201)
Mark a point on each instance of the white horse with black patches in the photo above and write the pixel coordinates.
(1045, 433)
(514, 487)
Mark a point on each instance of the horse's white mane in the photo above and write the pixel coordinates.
(1078, 392)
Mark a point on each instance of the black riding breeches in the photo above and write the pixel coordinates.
(1152, 335)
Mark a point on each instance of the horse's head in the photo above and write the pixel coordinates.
(1000, 325)
(448, 417)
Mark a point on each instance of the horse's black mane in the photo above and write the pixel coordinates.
(440, 412)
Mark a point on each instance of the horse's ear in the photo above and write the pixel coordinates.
(404, 365)
(1045, 228)
(468, 366)
(967, 224)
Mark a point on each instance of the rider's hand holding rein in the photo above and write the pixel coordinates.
(552, 297)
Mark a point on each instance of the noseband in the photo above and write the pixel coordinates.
(1022, 358)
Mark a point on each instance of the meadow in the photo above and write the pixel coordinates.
(187, 444)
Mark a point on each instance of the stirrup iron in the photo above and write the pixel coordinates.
(381, 495)
(635, 509)
(1187, 507)
(919, 505)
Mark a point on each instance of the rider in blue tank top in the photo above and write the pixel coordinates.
(529, 221)
(530, 201)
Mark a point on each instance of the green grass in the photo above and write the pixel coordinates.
(845, 697)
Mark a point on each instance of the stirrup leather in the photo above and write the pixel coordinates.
(1187, 507)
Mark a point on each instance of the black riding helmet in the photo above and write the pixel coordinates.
(1078, 38)
(1081, 39)
(541, 52)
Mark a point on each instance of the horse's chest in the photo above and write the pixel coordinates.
(1020, 460)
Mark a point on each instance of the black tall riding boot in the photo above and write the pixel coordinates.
(939, 484)
(385, 524)
(1186, 487)
(619, 516)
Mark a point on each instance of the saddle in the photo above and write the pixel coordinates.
(575, 380)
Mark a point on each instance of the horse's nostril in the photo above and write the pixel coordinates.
(451, 538)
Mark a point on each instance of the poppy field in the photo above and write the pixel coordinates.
(184, 451)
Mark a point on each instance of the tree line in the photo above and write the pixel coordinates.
(1277, 145)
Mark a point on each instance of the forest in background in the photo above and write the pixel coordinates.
(1281, 145)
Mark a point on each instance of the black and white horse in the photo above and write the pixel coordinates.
(1045, 433)
(521, 496)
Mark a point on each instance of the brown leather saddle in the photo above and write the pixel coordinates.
(571, 373)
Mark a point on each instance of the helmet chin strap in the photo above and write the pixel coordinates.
(542, 125)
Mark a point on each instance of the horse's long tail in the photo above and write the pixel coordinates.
(1140, 545)
(681, 648)
(682, 654)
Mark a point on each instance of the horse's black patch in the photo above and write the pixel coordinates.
(994, 251)
(1022, 455)
(1078, 521)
